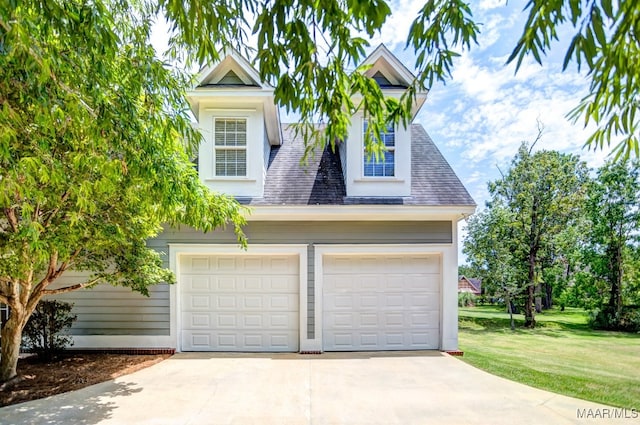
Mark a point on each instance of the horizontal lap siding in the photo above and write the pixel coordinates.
(110, 310)
(337, 232)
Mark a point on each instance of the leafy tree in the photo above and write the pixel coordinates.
(606, 44)
(466, 270)
(490, 252)
(631, 271)
(519, 238)
(94, 155)
(613, 209)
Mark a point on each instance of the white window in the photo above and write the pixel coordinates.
(384, 166)
(230, 139)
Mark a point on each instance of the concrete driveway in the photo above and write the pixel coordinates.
(352, 388)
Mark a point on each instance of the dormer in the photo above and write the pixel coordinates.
(239, 121)
(391, 177)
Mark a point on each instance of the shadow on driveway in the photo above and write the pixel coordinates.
(97, 404)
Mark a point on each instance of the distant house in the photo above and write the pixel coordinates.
(469, 284)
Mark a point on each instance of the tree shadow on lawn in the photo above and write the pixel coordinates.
(86, 406)
(556, 329)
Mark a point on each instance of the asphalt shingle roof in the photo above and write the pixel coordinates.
(321, 182)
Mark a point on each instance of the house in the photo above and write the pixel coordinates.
(345, 254)
(469, 284)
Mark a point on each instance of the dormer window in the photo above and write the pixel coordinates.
(383, 166)
(230, 136)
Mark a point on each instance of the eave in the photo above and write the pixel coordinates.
(359, 212)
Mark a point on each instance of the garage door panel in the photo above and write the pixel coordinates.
(239, 303)
(423, 319)
(373, 340)
(233, 320)
(198, 302)
(282, 283)
(381, 303)
(232, 341)
(422, 283)
(226, 302)
(426, 301)
(383, 282)
(247, 284)
(197, 283)
(199, 321)
(195, 264)
(367, 283)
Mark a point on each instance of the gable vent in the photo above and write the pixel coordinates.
(231, 79)
(381, 80)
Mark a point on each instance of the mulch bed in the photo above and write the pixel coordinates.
(71, 371)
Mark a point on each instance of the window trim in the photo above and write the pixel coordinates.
(391, 149)
(231, 148)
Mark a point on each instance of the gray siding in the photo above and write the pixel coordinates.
(110, 310)
(310, 232)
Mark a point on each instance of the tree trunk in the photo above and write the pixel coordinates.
(548, 296)
(538, 299)
(615, 297)
(529, 319)
(510, 309)
(11, 340)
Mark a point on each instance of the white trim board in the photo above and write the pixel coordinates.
(359, 212)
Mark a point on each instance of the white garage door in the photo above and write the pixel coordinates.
(381, 302)
(239, 303)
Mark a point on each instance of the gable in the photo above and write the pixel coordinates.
(231, 79)
(386, 68)
(233, 83)
(385, 82)
(391, 75)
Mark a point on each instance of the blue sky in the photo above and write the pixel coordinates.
(483, 113)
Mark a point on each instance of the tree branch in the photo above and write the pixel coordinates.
(52, 272)
(69, 288)
(540, 125)
(53, 212)
(53, 263)
(64, 266)
(13, 220)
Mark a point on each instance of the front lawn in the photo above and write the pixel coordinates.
(561, 355)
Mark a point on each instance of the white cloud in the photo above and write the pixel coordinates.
(491, 4)
(396, 29)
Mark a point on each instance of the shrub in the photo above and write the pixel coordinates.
(628, 320)
(43, 332)
(466, 299)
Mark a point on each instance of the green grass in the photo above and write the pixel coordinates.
(562, 354)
